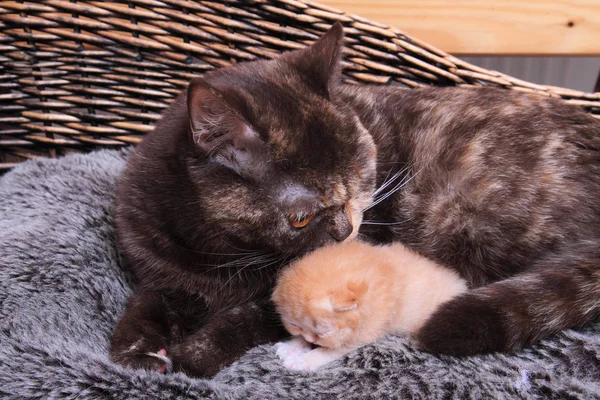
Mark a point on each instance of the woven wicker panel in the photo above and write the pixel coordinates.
(78, 75)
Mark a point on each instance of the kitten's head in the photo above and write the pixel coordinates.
(281, 162)
(322, 297)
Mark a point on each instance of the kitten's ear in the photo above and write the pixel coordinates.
(348, 299)
(320, 62)
(343, 301)
(219, 131)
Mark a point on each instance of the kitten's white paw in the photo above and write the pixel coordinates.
(292, 348)
(297, 363)
(308, 361)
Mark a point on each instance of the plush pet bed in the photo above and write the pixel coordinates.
(62, 289)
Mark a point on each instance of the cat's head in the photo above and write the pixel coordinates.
(281, 162)
(322, 297)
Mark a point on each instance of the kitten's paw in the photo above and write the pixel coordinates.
(292, 348)
(464, 326)
(308, 361)
(297, 363)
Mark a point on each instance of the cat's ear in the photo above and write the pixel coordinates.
(320, 62)
(348, 298)
(219, 131)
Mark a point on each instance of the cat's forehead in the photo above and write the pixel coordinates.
(296, 193)
(299, 124)
(292, 117)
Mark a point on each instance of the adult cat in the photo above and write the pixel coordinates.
(261, 162)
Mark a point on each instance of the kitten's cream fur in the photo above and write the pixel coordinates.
(344, 296)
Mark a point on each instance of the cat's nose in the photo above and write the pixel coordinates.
(340, 227)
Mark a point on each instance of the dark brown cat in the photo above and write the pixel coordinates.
(246, 170)
(261, 162)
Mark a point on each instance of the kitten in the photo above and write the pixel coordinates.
(344, 296)
(261, 162)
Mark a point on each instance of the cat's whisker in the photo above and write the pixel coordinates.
(241, 270)
(384, 223)
(244, 261)
(249, 253)
(388, 182)
(267, 265)
(231, 278)
(267, 262)
(398, 186)
(384, 184)
(232, 246)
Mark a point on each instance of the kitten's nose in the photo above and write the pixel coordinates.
(309, 337)
(340, 227)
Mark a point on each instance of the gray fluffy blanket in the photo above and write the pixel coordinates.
(62, 290)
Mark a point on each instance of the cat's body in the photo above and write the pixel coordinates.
(501, 185)
(496, 175)
(262, 162)
(344, 296)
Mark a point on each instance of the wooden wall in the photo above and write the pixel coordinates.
(533, 27)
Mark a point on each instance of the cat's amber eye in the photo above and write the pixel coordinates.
(300, 219)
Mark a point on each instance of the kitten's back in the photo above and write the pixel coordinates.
(389, 288)
(421, 286)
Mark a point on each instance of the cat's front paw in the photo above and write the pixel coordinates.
(464, 326)
(292, 348)
(149, 360)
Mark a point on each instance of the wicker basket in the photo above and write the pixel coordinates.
(78, 75)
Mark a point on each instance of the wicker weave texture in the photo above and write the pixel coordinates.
(78, 75)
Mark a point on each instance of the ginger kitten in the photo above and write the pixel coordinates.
(344, 296)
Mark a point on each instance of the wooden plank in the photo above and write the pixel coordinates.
(535, 27)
